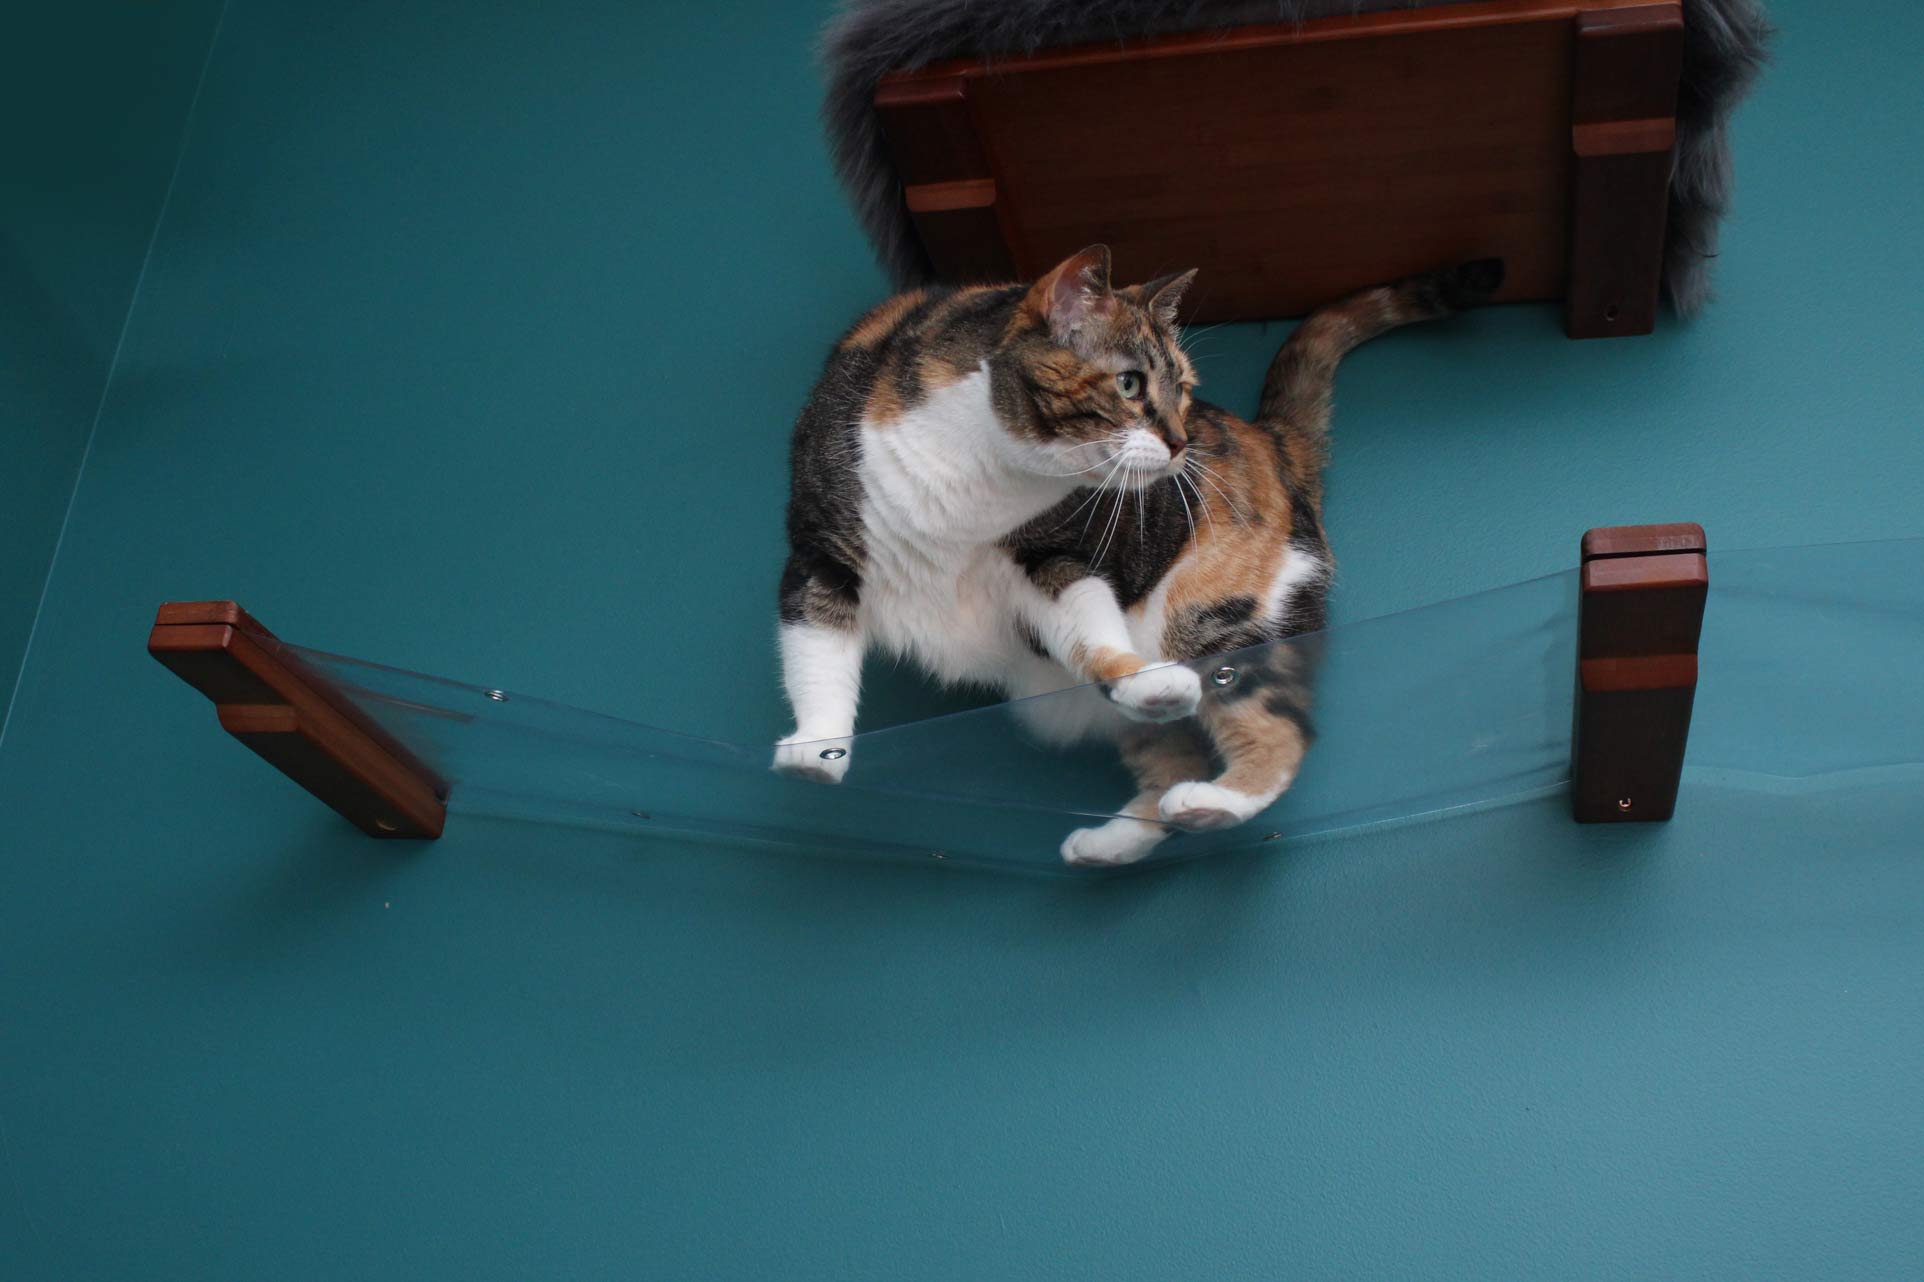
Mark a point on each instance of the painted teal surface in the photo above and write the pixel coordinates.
(470, 341)
(96, 93)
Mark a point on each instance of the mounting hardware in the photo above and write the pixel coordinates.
(1223, 676)
(833, 754)
(298, 720)
(1640, 611)
(497, 695)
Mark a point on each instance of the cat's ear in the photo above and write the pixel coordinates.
(1075, 293)
(1163, 295)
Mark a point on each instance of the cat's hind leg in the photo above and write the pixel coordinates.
(1159, 757)
(1262, 738)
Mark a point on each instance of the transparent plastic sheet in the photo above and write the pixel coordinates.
(1812, 663)
(1809, 668)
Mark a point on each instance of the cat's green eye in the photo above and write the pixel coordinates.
(1130, 384)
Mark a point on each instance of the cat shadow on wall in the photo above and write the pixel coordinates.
(699, 958)
(721, 957)
(297, 899)
(786, 962)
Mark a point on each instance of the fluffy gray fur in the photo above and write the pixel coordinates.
(1724, 43)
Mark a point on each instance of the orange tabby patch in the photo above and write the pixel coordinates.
(875, 326)
(1107, 665)
(1224, 561)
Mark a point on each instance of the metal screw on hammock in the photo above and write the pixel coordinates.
(496, 695)
(1223, 676)
(834, 754)
(1623, 804)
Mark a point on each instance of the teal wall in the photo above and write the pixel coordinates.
(470, 340)
(96, 93)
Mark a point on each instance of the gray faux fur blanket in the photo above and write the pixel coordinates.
(1724, 42)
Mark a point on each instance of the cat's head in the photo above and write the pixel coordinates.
(1104, 383)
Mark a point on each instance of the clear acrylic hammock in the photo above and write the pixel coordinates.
(1810, 661)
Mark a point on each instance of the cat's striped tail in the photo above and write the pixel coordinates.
(1299, 388)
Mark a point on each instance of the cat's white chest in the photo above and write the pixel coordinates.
(944, 606)
(939, 492)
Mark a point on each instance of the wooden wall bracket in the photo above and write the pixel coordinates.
(1623, 134)
(297, 721)
(1641, 609)
(947, 182)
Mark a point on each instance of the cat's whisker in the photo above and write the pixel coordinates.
(1114, 525)
(1187, 515)
(1209, 477)
(1242, 517)
(1094, 504)
(1094, 496)
(1186, 339)
(1113, 443)
(1201, 502)
(1108, 529)
(1096, 466)
(1204, 469)
(1114, 461)
(1215, 478)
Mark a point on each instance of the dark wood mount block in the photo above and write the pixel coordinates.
(946, 179)
(1623, 134)
(297, 720)
(958, 220)
(1640, 613)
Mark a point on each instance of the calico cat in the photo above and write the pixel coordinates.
(1014, 486)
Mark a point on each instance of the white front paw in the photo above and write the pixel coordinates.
(1199, 807)
(1120, 841)
(1157, 694)
(807, 757)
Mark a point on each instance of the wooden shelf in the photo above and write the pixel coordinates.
(1296, 163)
